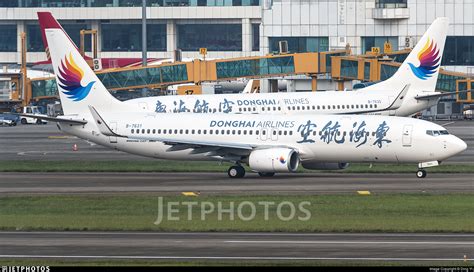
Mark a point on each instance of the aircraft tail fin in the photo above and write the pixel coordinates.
(421, 68)
(78, 85)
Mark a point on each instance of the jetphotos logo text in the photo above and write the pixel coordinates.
(232, 211)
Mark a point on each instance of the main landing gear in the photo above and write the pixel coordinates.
(421, 173)
(236, 171)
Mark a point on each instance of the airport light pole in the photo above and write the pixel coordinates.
(144, 34)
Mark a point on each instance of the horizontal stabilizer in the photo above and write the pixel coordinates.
(62, 119)
(438, 95)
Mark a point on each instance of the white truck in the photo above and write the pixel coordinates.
(30, 120)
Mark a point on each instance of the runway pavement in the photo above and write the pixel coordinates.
(219, 183)
(46, 142)
(237, 246)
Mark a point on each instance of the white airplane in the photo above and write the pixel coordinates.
(268, 144)
(410, 90)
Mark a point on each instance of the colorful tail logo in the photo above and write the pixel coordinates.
(70, 76)
(429, 61)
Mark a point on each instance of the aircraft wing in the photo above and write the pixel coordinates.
(438, 95)
(63, 119)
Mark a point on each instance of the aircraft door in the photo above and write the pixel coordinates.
(113, 127)
(407, 135)
(143, 106)
(391, 99)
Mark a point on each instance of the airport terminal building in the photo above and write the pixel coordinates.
(240, 28)
(237, 28)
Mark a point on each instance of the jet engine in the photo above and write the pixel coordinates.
(274, 160)
(324, 165)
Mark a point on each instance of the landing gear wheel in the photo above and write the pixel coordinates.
(39, 122)
(236, 171)
(23, 121)
(421, 173)
(266, 174)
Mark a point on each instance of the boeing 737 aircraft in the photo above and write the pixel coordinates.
(410, 90)
(268, 144)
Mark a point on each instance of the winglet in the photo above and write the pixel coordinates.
(101, 124)
(397, 103)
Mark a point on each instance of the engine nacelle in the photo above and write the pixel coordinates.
(324, 165)
(274, 160)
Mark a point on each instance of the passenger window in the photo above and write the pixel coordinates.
(238, 132)
(199, 131)
(154, 131)
(143, 131)
(164, 131)
(132, 130)
(193, 131)
(187, 131)
(210, 131)
(250, 132)
(175, 131)
(245, 132)
(257, 132)
(204, 132)
(217, 131)
(291, 132)
(180, 131)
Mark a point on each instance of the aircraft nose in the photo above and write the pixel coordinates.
(458, 145)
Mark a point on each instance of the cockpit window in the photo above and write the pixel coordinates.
(437, 132)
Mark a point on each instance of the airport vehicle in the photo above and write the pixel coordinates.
(410, 90)
(34, 110)
(269, 144)
(8, 119)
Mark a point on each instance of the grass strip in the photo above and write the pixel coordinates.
(192, 166)
(179, 263)
(329, 213)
